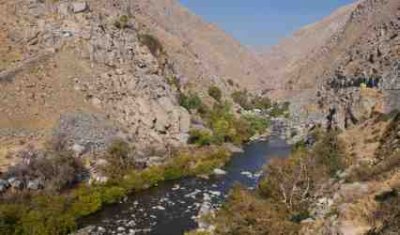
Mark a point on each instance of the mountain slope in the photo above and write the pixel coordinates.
(201, 50)
(97, 70)
(329, 60)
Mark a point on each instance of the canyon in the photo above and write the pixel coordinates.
(145, 84)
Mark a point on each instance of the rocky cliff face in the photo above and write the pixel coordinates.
(93, 71)
(356, 46)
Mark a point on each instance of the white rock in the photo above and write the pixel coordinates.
(96, 102)
(63, 8)
(193, 194)
(247, 173)
(219, 172)
(161, 208)
(206, 197)
(78, 7)
(215, 193)
(78, 149)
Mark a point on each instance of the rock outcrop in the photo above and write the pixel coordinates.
(333, 60)
(98, 70)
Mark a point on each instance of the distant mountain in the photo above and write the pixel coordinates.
(199, 49)
(326, 63)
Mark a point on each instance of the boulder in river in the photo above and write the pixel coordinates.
(218, 171)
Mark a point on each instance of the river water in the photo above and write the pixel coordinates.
(171, 207)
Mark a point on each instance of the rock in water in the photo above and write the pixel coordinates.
(219, 172)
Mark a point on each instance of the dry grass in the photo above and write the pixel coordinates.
(362, 141)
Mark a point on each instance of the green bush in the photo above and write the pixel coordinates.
(190, 102)
(10, 216)
(200, 137)
(215, 93)
(258, 125)
(225, 126)
(329, 153)
(47, 215)
(85, 202)
(112, 194)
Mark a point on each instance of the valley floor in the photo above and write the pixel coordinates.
(347, 182)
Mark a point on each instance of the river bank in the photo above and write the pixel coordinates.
(172, 207)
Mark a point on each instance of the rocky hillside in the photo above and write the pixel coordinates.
(329, 61)
(92, 71)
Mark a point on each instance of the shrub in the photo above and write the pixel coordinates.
(261, 102)
(200, 137)
(242, 98)
(10, 215)
(215, 93)
(329, 153)
(289, 181)
(57, 170)
(231, 82)
(152, 43)
(387, 215)
(257, 124)
(365, 172)
(174, 82)
(47, 215)
(190, 102)
(85, 202)
(112, 194)
(120, 159)
(246, 213)
(280, 109)
(225, 126)
(389, 116)
(207, 161)
(122, 22)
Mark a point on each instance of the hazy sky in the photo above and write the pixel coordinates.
(262, 22)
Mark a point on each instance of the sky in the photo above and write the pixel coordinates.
(262, 22)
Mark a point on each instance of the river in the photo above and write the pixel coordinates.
(171, 207)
